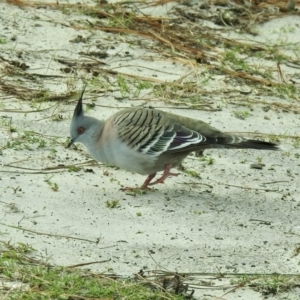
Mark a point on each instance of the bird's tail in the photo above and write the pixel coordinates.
(231, 141)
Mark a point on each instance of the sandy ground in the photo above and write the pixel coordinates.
(233, 219)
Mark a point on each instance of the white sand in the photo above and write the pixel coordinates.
(234, 227)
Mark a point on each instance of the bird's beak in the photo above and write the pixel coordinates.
(71, 143)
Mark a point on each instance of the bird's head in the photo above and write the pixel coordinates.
(82, 128)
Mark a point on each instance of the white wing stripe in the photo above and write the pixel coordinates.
(199, 139)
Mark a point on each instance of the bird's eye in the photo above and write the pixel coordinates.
(80, 130)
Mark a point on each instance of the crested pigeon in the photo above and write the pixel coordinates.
(147, 140)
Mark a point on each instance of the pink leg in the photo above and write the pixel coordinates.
(144, 186)
(166, 174)
(147, 182)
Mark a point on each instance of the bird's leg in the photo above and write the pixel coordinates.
(143, 187)
(147, 181)
(166, 174)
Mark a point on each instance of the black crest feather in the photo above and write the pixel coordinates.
(79, 109)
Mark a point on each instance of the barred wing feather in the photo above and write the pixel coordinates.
(151, 133)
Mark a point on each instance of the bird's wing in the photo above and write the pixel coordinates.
(154, 132)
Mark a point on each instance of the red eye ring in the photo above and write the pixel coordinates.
(81, 130)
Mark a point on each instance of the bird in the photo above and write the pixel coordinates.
(147, 140)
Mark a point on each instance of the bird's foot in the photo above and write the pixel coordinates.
(166, 174)
(135, 189)
(143, 188)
